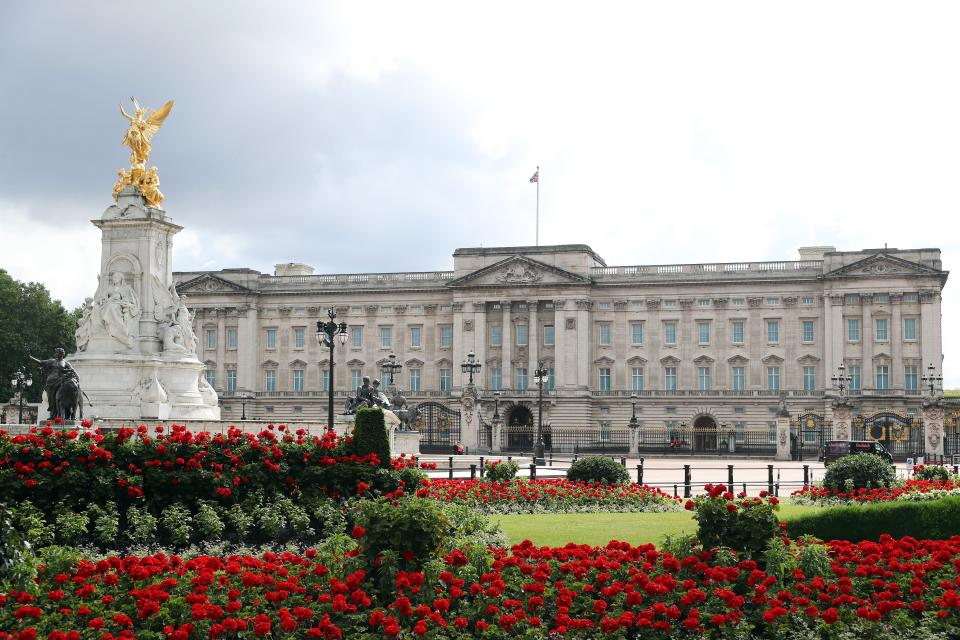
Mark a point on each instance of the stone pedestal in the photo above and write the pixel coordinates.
(496, 427)
(136, 348)
(469, 421)
(933, 419)
(407, 442)
(635, 441)
(783, 436)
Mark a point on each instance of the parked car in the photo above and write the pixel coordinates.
(836, 449)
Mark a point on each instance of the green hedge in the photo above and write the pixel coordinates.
(931, 519)
(370, 435)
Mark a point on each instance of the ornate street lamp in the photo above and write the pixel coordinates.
(931, 379)
(327, 333)
(634, 423)
(471, 365)
(20, 381)
(842, 381)
(540, 376)
(496, 406)
(244, 398)
(392, 366)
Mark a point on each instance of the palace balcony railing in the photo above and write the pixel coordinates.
(787, 269)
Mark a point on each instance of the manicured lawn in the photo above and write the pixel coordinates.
(599, 528)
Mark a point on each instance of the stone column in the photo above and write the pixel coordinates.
(480, 340)
(866, 341)
(560, 362)
(533, 335)
(248, 348)
(635, 441)
(221, 380)
(584, 337)
(506, 349)
(783, 435)
(933, 419)
(930, 339)
(895, 333)
(459, 352)
(469, 431)
(496, 426)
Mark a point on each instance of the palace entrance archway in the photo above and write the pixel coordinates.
(705, 436)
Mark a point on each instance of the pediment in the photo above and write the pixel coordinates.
(414, 362)
(882, 265)
(737, 360)
(604, 361)
(772, 359)
(669, 361)
(808, 358)
(636, 361)
(297, 364)
(519, 270)
(355, 362)
(270, 364)
(209, 283)
(703, 360)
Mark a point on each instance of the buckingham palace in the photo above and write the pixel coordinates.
(712, 347)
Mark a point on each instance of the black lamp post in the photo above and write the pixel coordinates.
(931, 379)
(392, 366)
(471, 365)
(244, 397)
(327, 332)
(634, 423)
(20, 381)
(540, 376)
(841, 381)
(496, 406)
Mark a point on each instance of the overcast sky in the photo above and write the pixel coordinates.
(362, 136)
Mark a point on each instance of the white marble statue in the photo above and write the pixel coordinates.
(119, 309)
(85, 326)
(207, 392)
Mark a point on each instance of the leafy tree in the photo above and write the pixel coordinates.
(30, 321)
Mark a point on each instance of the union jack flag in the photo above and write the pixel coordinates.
(536, 176)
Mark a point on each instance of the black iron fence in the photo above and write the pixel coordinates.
(563, 439)
(693, 441)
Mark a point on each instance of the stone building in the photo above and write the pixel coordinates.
(701, 345)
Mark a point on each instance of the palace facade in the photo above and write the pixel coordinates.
(705, 345)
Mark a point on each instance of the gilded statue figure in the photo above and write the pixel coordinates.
(143, 125)
(142, 129)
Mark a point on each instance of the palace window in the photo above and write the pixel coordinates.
(853, 329)
(604, 379)
(414, 378)
(446, 379)
(703, 378)
(548, 335)
(231, 338)
(415, 337)
(854, 372)
(670, 332)
(386, 337)
(773, 331)
(604, 337)
(773, 378)
(211, 339)
(809, 378)
(356, 378)
(703, 333)
(808, 331)
(496, 335)
(299, 337)
(357, 334)
(211, 377)
(231, 380)
(737, 378)
(881, 334)
(496, 381)
(670, 378)
(910, 378)
(909, 328)
(325, 380)
(550, 383)
(446, 336)
(298, 379)
(270, 380)
(523, 335)
(737, 331)
(521, 378)
(636, 333)
(636, 378)
(883, 376)
(271, 338)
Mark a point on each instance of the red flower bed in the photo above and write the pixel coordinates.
(619, 591)
(911, 489)
(547, 495)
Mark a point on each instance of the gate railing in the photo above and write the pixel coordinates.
(566, 439)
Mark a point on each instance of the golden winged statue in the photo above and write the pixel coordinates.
(144, 124)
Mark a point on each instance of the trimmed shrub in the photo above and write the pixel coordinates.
(410, 532)
(370, 435)
(502, 470)
(598, 469)
(928, 520)
(860, 471)
(931, 472)
(745, 524)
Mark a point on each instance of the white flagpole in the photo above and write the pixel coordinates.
(538, 207)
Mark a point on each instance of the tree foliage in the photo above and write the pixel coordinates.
(30, 321)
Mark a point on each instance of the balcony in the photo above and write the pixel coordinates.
(714, 270)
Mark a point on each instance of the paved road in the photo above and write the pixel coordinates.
(668, 473)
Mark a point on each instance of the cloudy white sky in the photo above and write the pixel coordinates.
(361, 136)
